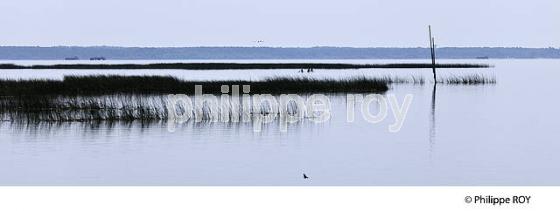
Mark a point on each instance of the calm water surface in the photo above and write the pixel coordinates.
(503, 134)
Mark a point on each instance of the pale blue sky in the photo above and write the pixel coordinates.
(355, 23)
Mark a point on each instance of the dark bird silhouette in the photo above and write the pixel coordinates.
(305, 176)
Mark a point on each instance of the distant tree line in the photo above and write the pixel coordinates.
(137, 53)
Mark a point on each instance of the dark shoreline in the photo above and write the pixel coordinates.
(238, 66)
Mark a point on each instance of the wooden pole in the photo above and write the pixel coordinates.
(432, 52)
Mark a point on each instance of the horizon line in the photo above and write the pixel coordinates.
(279, 47)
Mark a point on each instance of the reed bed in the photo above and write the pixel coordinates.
(132, 98)
(112, 84)
(127, 98)
(470, 79)
(131, 108)
(76, 108)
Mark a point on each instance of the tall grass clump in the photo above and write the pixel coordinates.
(412, 79)
(471, 79)
(75, 108)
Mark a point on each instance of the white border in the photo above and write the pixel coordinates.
(267, 198)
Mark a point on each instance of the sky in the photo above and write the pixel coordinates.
(280, 23)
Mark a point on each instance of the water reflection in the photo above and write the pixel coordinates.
(45, 128)
(38, 129)
(433, 119)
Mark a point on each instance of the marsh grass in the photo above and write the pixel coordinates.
(112, 84)
(145, 108)
(75, 108)
(470, 79)
(144, 98)
(128, 98)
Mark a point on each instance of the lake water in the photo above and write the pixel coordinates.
(501, 134)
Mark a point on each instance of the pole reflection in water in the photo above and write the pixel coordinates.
(433, 119)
